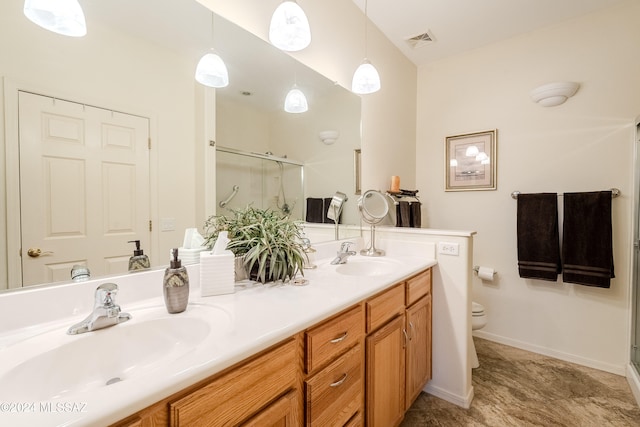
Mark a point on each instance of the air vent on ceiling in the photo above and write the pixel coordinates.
(420, 40)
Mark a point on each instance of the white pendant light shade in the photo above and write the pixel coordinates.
(295, 102)
(366, 79)
(60, 16)
(289, 29)
(211, 71)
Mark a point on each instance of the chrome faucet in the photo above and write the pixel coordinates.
(343, 253)
(105, 311)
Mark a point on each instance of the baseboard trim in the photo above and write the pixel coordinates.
(633, 378)
(567, 357)
(461, 401)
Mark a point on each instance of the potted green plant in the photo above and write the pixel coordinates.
(269, 242)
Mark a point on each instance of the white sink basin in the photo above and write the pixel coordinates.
(367, 267)
(53, 364)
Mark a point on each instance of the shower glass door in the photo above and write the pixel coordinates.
(635, 326)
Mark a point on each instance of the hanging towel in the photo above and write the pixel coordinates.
(315, 210)
(587, 248)
(403, 214)
(416, 220)
(327, 205)
(538, 237)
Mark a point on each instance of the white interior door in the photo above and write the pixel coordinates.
(84, 187)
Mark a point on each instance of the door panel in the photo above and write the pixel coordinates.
(84, 184)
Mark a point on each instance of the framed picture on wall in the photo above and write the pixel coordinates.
(470, 161)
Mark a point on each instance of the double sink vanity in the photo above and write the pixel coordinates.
(354, 343)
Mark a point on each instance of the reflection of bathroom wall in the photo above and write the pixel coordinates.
(262, 184)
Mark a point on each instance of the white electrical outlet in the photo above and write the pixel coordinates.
(167, 224)
(449, 248)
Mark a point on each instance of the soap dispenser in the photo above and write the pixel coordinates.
(139, 261)
(176, 285)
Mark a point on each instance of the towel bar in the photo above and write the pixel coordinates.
(614, 193)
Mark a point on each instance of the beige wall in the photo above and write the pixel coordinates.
(583, 145)
(336, 50)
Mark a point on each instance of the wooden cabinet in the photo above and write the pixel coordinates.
(281, 413)
(398, 360)
(386, 374)
(334, 387)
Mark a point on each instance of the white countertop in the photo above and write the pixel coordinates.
(256, 317)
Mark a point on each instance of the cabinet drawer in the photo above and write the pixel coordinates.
(331, 338)
(384, 307)
(356, 421)
(336, 393)
(241, 392)
(418, 286)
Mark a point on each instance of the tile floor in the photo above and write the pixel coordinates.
(515, 388)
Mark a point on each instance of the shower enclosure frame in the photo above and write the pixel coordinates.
(634, 352)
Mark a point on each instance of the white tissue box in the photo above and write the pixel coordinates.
(217, 273)
(190, 256)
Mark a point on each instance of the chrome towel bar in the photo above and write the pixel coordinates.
(614, 193)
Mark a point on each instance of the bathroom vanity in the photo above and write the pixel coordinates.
(267, 354)
(317, 376)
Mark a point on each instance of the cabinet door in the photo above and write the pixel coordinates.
(385, 386)
(418, 350)
(281, 413)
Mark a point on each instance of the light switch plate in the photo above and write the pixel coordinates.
(167, 224)
(446, 248)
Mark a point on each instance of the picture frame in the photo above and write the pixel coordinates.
(471, 161)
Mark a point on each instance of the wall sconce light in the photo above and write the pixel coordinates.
(553, 94)
(329, 136)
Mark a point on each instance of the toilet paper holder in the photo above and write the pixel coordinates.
(476, 268)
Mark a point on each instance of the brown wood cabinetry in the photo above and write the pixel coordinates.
(317, 377)
(398, 357)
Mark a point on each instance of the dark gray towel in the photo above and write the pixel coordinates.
(416, 213)
(538, 237)
(315, 210)
(587, 248)
(403, 214)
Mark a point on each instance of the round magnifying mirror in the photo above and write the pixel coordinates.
(373, 208)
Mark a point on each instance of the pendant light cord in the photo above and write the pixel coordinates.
(366, 35)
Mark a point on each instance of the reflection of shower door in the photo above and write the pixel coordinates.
(84, 187)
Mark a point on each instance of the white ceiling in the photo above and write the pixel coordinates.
(461, 25)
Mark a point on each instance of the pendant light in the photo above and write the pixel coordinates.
(289, 29)
(211, 70)
(295, 102)
(60, 16)
(366, 78)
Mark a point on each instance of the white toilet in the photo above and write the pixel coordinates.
(478, 321)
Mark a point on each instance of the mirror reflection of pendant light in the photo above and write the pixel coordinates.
(289, 29)
(295, 102)
(366, 78)
(60, 16)
(211, 70)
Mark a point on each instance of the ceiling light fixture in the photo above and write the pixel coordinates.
(295, 102)
(366, 78)
(553, 94)
(60, 16)
(211, 70)
(289, 29)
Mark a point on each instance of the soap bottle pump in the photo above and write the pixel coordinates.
(176, 285)
(139, 261)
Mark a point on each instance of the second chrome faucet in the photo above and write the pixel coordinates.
(343, 253)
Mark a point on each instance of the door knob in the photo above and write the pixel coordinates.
(35, 253)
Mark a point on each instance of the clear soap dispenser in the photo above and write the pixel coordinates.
(139, 261)
(176, 285)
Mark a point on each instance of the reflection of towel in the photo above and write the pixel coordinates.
(538, 237)
(315, 210)
(403, 214)
(587, 248)
(416, 213)
(327, 205)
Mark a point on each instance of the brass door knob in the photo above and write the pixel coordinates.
(36, 252)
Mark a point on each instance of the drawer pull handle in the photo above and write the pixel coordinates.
(413, 331)
(406, 338)
(340, 381)
(339, 339)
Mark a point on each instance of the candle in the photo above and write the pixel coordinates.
(395, 184)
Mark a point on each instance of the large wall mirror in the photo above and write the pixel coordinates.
(138, 58)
